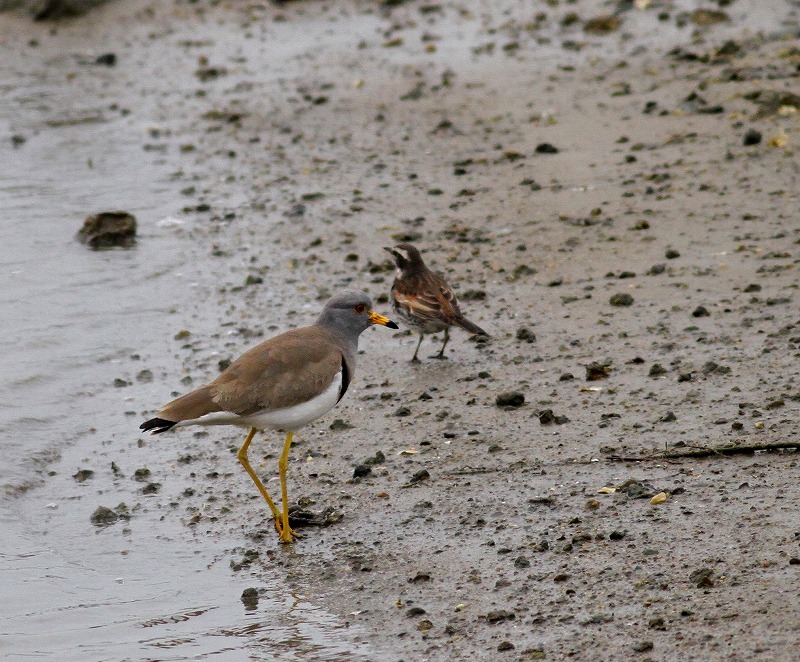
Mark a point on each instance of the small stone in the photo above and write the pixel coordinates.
(700, 311)
(500, 615)
(621, 299)
(669, 417)
(526, 335)
(597, 370)
(403, 411)
(566, 377)
(108, 229)
(657, 269)
(250, 598)
(752, 137)
(702, 577)
(521, 562)
(546, 148)
(83, 475)
(103, 516)
(671, 254)
(419, 476)
(362, 470)
(657, 370)
(510, 399)
(339, 424)
(643, 647)
(413, 612)
(505, 646)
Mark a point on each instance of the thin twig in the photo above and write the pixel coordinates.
(708, 451)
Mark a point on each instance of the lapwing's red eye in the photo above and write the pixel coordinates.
(360, 308)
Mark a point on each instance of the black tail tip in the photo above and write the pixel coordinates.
(156, 425)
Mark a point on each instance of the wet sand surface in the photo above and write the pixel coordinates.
(622, 193)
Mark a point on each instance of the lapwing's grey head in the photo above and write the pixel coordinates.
(350, 312)
(406, 257)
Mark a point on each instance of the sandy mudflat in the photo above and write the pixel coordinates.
(545, 169)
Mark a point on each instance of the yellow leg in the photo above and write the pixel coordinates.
(242, 456)
(283, 464)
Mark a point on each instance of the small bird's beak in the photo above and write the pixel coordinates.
(377, 318)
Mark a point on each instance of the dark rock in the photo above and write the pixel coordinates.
(657, 269)
(418, 477)
(685, 377)
(339, 424)
(636, 489)
(413, 612)
(669, 417)
(643, 647)
(702, 577)
(521, 562)
(566, 377)
(656, 370)
(617, 535)
(300, 517)
(621, 299)
(362, 470)
(103, 516)
(500, 615)
(510, 399)
(526, 335)
(106, 59)
(83, 475)
(700, 311)
(402, 411)
(671, 254)
(505, 646)
(420, 577)
(597, 370)
(109, 229)
(710, 368)
(546, 148)
(250, 598)
(602, 25)
(752, 137)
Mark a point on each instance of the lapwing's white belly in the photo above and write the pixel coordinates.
(288, 418)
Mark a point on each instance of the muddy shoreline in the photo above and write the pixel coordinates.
(624, 196)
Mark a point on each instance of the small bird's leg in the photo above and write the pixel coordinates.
(414, 358)
(441, 355)
(242, 457)
(286, 532)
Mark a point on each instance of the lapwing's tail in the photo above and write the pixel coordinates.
(157, 425)
(468, 326)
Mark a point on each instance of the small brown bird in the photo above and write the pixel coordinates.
(423, 300)
(282, 384)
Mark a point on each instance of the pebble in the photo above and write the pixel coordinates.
(510, 399)
(621, 299)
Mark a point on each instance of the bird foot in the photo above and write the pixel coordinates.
(287, 534)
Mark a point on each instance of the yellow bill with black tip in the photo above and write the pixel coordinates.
(377, 318)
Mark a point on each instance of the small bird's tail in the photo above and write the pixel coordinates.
(156, 425)
(465, 324)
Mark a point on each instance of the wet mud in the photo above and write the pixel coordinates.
(612, 194)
